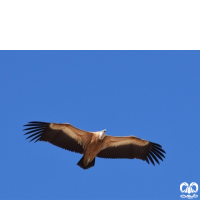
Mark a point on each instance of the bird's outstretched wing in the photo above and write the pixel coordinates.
(61, 135)
(131, 147)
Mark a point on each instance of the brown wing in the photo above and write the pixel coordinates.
(61, 135)
(131, 147)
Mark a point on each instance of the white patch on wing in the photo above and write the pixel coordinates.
(66, 130)
(126, 141)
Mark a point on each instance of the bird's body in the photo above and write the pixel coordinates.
(93, 147)
(94, 144)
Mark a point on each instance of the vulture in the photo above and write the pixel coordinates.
(94, 144)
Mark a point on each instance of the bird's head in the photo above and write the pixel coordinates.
(102, 134)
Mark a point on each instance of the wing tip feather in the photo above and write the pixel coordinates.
(154, 153)
(36, 130)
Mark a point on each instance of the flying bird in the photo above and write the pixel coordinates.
(94, 144)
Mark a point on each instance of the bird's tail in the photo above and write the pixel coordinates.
(80, 163)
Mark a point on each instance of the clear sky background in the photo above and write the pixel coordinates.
(154, 95)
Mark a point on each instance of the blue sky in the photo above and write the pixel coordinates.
(153, 95)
